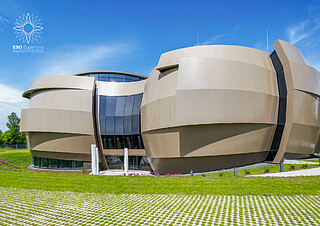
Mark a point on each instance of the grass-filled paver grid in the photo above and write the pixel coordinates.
(37, 207)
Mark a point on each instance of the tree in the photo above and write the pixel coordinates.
(13, 123)
(13, 135)
(1, 140)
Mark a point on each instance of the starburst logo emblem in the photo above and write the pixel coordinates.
(28, 28)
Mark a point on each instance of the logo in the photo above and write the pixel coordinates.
(28, 28)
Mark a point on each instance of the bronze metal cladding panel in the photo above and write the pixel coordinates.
(56, 143)
(209, 101)
(59, 118)
(117, 152)
(204, 164)
(62, 155)
(120, 88)
(302, 127)
(59, 82)
(208, 140)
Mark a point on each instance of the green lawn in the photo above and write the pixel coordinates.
(224, 184)
(313, 160)
(21, 157)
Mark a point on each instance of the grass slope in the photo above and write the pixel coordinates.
(21, 157)
(213, 184)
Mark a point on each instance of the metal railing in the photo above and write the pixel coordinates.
(13, 146)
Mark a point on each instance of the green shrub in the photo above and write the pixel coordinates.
(266, 170)
(84, 170)
(247, 171)
(292, 167)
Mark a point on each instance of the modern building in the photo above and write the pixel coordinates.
(67, 114)
(203, 108)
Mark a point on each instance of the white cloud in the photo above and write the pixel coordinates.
(3, 22)
(80, 58)
(305, 34)
(213, 39)
(262, 45)
(66, 61)
(10, 101)
(312, 9)
(236, 28)
(303, 30)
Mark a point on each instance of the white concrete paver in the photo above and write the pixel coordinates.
(295, 173)
(35, 207)
(289, 161)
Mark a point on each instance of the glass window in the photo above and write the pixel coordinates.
(121, 117)
(135, 124)
(95, 76)
(118, 130)
(104, 77)
(102, 125)
(120, 78)
(109, 127)
(128, 142)
(135, 143)
(127, 125)
(120, 142)
(79, 164)
(60, 164)
(45, 162)
(37, 161)
(129, 105)
(115, 162)
(110, 142)
(135, 79)
(104, 141)
(66, 164)
(54, 163)
(137, 104)
(111, 106)
(120, 106)
(112, 78)
(102, 105)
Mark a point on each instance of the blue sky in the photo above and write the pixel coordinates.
(81, 35)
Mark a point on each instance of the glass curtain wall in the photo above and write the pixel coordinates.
(120, 122)
(56, 163)
(114, 78)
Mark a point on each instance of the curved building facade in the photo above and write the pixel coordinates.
(67, 114)
(214, 107)
(202, 108)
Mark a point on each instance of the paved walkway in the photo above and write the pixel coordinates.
(287, 161)
(34, 207)
(295, 173)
